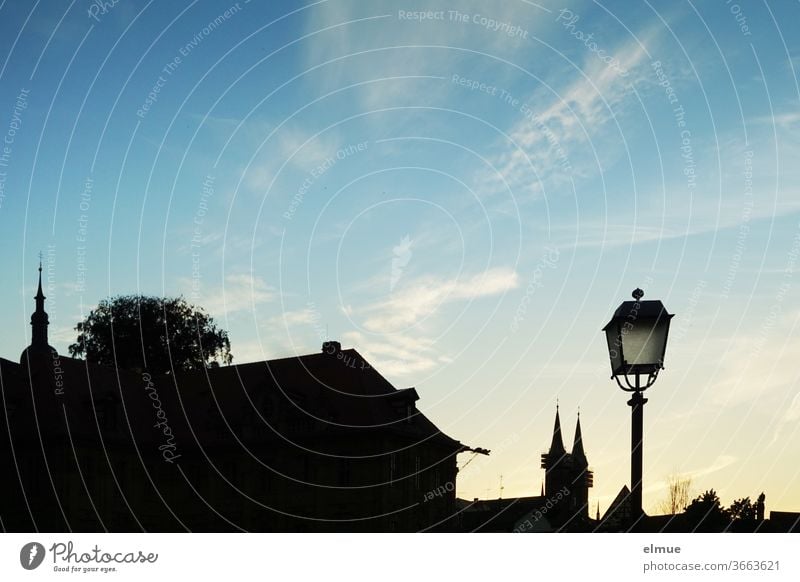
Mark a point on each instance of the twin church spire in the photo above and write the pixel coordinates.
(557, 444)
(568, 473)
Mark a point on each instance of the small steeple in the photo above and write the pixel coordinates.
(39, 319)
(577, 447)
(598, 511)
(39, 323)
(39, 295)
(557, 444)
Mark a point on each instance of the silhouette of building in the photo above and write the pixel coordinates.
(40, 321)
(568, 470)
(619, 517)
(784, 521)
(319, 442)
(562, 506)
(619, 514)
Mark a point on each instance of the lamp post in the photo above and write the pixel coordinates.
(637, 340)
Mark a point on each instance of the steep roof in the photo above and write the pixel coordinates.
(578, 454)
(303, 398)
(557, 444)
(619, 511)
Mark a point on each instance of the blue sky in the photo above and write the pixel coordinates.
(463, 198)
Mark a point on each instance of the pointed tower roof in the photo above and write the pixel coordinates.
(557, 444)
(577, 447)
(39, 295)
(619, 512)
(39, 322)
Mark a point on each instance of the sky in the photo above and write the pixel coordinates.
(462, 191)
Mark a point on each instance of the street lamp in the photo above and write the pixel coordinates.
(637, 340)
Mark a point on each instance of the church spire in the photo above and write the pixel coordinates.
(39, 323)
(557, 444)
(577, 448)
(39, 295)
(39, 319)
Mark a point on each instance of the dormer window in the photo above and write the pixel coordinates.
(403, 403)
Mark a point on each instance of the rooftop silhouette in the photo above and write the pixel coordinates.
(317, 442)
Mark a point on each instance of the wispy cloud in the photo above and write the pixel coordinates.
(399, 333)
(405, 48)
(294, 148)
(650, 225)
(422, 297)
(789, 420)
(397, 356)
(240, 292)
(744, 377)
(304, 316)
(695, 475)
(789, 120)
(550, 140)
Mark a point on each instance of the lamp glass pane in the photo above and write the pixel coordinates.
(614, 347)
(660, 337)
(643, 341)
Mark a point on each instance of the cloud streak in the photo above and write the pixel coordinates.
(240, 293)
(553, 139)
(424, 296)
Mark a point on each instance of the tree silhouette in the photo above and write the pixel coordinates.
(678, 489)
(743, 510)
(705, 513)
(152, 333)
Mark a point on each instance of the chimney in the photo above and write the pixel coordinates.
(331, 348)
